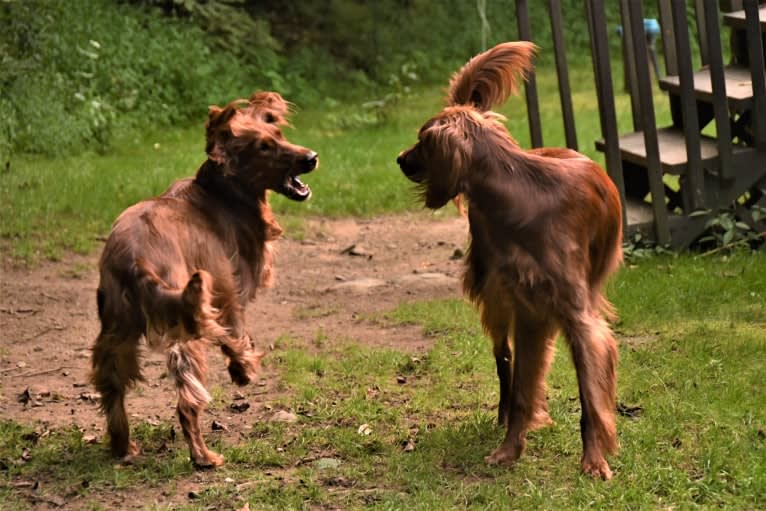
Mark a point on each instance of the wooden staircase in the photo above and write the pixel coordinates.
(714, 173)
(673, 179)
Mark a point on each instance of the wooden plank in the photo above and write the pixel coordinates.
(738, 86)
(672, 149)
(533, 106)
(597, 30)
(737, 19)
(653, 165)
(695, 193)
(755, 50)
(638, 212)
(565, 93)
(719, 88)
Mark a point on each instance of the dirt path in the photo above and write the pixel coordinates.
(48, 317)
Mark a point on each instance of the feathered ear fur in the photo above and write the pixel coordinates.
(270, 107)
(449, 149)
(217, 131)
(490, 77)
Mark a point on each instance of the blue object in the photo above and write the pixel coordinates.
(651, 29)
(651, 32)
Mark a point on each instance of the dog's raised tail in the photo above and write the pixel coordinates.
(491, 77)
(176, 312)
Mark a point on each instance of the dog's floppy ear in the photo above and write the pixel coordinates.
(449, 148)
(490, 77)
(217, 131)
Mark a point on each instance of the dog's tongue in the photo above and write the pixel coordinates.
(296, 190)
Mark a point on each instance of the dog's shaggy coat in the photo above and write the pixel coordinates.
(179, 269)
(546, 233)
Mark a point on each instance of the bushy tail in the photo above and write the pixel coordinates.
(490, 77)
(178, 313)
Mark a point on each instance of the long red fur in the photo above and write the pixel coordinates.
(179, 269)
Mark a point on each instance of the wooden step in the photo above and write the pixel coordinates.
(739, 86)
(672, 149)
(737, 19)
(638, 212)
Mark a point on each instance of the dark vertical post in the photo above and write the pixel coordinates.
(695, 179)
(755, 47)
(699, 9)
(565, 93)
(666, 25)
(654, 166)
(629, 61)
(720, 101)
(605, 91)
(533, 107)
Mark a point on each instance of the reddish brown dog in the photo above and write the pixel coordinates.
(546, 233)
(179, 269)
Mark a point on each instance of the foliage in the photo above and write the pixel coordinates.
(77, 71)
(726, 231)
(74, 71)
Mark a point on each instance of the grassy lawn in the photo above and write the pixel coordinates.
(381, 429)
(692, 347)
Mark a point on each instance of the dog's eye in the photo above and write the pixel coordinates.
(264, 146)
(270, 118)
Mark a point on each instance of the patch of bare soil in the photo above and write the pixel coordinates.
(332, 282)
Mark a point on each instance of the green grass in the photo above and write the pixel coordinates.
(692, 338)
(51, 206)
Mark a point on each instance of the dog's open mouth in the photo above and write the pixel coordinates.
(293, 188)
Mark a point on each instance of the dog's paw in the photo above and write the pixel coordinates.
(504, 455)
(208, 459)
(132, 452)
(597, 468)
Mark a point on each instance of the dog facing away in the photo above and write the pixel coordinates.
(546, 233)
(180, 268)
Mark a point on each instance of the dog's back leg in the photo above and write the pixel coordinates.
(115, 368)
(187, 365)
(532, 353)
(594, 352)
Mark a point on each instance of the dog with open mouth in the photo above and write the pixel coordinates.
(179, 269)
(546, 233)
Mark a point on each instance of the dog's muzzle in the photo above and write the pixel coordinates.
(408, 169)
(293, 188)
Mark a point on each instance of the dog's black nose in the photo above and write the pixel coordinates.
(312, 159)
(399, 159)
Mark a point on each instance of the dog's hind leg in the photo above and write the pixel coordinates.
(115, 368)
(188, 365)
(531, 358)
(594, 352)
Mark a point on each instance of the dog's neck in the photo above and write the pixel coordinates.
(211, 177)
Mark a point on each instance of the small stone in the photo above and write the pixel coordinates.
(284, 416)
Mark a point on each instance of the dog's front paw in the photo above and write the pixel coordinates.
(131, 453)
(506, 454)
(597, 468)
(208, 459)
